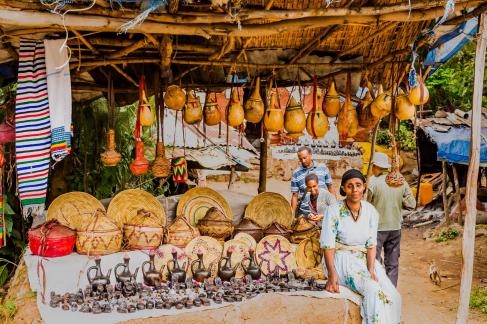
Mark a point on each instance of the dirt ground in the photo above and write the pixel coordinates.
(422, 301)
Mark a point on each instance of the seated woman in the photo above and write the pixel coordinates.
(349, 238)
(316, 200)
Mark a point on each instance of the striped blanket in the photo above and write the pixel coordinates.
(32, 128)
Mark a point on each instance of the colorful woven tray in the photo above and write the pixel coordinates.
(269, 207)
(247, 238)
(211, 249)
(164, 253)
(275, 251)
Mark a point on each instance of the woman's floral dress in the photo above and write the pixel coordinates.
(381, 301)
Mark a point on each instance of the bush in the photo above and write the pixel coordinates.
(447, 234)
(478, 299)
(406, 138)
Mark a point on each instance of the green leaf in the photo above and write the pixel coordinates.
(3, 274)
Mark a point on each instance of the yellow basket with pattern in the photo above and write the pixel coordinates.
(143, 231)
(101, 236)
(180, 233)
(304, 229)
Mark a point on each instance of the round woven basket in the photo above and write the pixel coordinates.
(180, 233)
(211, 249)
(308, 258)
(74, 209)
(216, 225)
(240, 250)
(247, 238)
(102, 236)
(163, 255)
(269, 207)
(274, 251)
(194, 204)
(143, 232)
(126, 204)
(303, 230)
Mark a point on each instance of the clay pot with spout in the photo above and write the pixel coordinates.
(176, 272)
(294, 119)
(110, 157)
(201, 272)
(254, 106)
(273, 118)
(253, 269)
(98, 278)
(125, 276)
(192, 113)
(151, 274)
(331, 104)
(140, 165)
(235, 114)
(226, 272)
(211, 113)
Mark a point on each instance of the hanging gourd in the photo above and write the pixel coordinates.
(254, 106)
(147, 115)
(317, 121)
(395, 178)
(365, 117)
(382, 104)
(331, 104)
(419, 94)
(211, 113)
(139, 165)
(347, 117)
(110, 157)
(294, 119)
(175, 98)
(404, 108)
(161, 167)
(179, 169)
(273, 118)
(235, 114)
(192, 113)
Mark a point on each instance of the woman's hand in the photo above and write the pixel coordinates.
(373, 275)
(332, 284)
(315, 218)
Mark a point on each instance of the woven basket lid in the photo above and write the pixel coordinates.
(275, 251)
(211, 249)
(100, 222)
(74, 209)
(52, 229)
(126, 204)
(247, 238)
(144, 218)
(194, 204)
(308, 254)
(164, 253)
(269, 207)
(240, 250)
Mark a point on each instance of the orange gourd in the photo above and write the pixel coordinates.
(347, 124)
(211, 113)
(273, 117)
(254, 106)
(294, 119)
(235, 114)
(192, 113)
(331, 104)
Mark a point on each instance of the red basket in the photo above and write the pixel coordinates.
(51, 239)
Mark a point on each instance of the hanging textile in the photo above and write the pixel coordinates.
(32, 128)
(59, 93)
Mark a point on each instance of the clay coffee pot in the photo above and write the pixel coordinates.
(125, 276)
(176, 272)
(98, 278)
(227, 272)
(151, 275)
(200, 273)
(254, 269)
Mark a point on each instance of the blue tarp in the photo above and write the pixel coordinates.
(454, 145)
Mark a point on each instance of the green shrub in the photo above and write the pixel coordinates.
(478, 299)
(447, 234)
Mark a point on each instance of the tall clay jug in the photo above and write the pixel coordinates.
(317, 121)
(235, 114)
(331, 104)
(294, 119)
(211, 113)
(273, 117)
(254, 106)
(192, 113)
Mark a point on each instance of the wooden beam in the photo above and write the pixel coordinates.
(152, 39)
(129, 49)
(124, 74)
(225, 49)
(84, 41)
(443, 193)
(468, 241)
(103, 3)
(268, 5)
(460, 19)
(8, 46)
(314, 43)
(458, 196)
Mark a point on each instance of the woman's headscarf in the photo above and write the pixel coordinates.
(350, 174)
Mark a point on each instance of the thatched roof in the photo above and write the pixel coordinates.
(198, 42)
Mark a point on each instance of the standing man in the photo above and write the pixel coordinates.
(389, 202)
(298, 184)
(316, 199)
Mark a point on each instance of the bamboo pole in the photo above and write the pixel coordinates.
(263, 144)
(458, 196)
(129, 49)
(468, 244)
(443, 190)
(124, 74)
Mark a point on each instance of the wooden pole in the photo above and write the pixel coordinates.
(468, 246)
(458, 196)
(263, 144)
(443, 189)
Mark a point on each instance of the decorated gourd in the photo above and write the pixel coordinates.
(419, 94)
(161, 167)
(147, 114)
(235, 114)
(192, 113)
(365, 117)
(382, 104)
(174, 98)
(211, 113)
(347, 118)
(179, 169)
(404, 108)
(254, 106)
(331, 104)
(110, 157)
(294, 119)
(273, 117)
(394, 178)
(317, 121)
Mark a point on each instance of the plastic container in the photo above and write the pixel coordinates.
(51, 239)
(425, 193)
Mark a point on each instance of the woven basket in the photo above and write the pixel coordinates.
(308, 258)
(274, 251)
(269, 207)
(180, 233)
(303, 230)
(249, 227)
(216, 225)
(126, 204)
(247, 238)
(143, 232)
(74, 209)
(211, 249)
(194, 204)
(102, 236)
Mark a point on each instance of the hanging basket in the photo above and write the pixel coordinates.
(161, 167)
(331, 104)
(140, 165)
